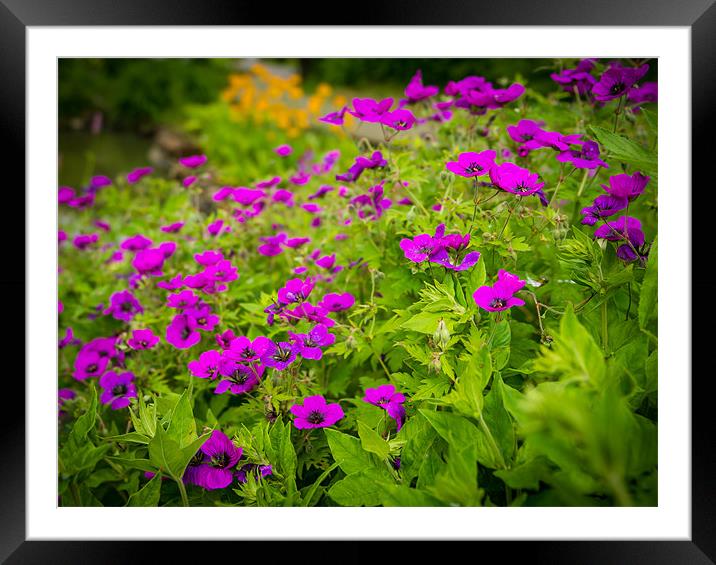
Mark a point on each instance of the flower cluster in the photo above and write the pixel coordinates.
(621, 190)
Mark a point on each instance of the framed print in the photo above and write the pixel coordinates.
(358, 283)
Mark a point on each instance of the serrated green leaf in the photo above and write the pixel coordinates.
(149, 494)
(371, 441)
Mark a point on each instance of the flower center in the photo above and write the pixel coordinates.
(239, 377)
(119, 390)
(617, 88)
(316, 417)
(498, 303)
(221, 460)
(282, 354)
(473, 168)
(91, 368)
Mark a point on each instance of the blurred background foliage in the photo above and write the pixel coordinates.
(118, 114)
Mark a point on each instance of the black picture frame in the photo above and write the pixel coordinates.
(17, 15)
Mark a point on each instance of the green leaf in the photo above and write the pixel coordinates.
(625, 150)
(426, 322)
(132, 437)
(182, 426)
(574, 353)
(168, 456)
(499, 420)
(149, 494)
(148, 417)
(648, 299)
(359, 489)
(131, 463)
(527, 475)
(372, 442)
(347, 451)
(401, 495)
(85, 422)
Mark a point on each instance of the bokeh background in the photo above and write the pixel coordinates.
(118, 114)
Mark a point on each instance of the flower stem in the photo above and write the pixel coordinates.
(618, 112)
(493, 445)
(509, 215)
(605, 326)
(474, 201)
(182, 491)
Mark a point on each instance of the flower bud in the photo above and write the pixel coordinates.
(441, 336)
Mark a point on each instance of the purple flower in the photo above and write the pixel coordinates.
(149, 261)
(224, 339)
(68, 340)
(585, 158)
(335, 118)
(415, 90)
(578, 77)
(247, 196)
(217, 227)
(296, 242)
(181, 332)
(400, 120)
(142, 339)
(137, 174)
(245, 350)
(420, 248)
(237, 378)
(295, 290)
(117, 389)
(262, 471)
(188, 181)
(309, 345)
(327, 261)
(279, 355)
(500, 296)
(207, 366)
(136, 243)
(123, 306)
(616, 82)
(284, 196)
(104, 226)
(370, 110)
(220, 456)
(472, 164)
(65, 194)
(514, 179)
(172, 228)
(336, 302)
(528, 133)
(272, 245)
(193, 161)
(624, 228)
(647, 92)
(83, 241)
(386, 397)
(174, 284)
(603, 206)
(627, 186)
(315, 413)
(89, 364)
(283, 150)
(202, 317)
(361, 163)
(371, 205)
(63, 395)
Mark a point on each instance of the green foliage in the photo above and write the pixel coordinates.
(553, 402)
